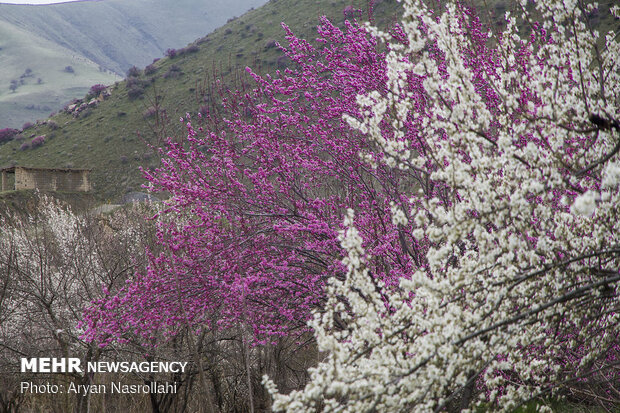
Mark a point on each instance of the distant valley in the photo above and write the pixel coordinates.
(54, 53)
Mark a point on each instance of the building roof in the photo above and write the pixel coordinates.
(12, 169)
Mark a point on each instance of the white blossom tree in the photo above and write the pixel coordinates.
(519, 294)
(53, 263)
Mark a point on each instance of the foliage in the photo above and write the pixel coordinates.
(135, 92)
(174, 71)
(480, 200)
(38, 141)
(519, 210)
(14, 85)
(133, 72)
(95, 90)
(189, 49)
(53, 263)
(150, 69)
(251, 228)
(7, 134)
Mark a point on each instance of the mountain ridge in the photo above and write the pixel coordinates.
(112, 34)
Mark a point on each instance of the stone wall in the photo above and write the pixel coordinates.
(65, 180)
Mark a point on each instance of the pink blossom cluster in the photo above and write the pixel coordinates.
(250, 234)
(258, 203)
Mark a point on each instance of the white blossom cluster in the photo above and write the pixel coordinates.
(54, 263)
(515, 275)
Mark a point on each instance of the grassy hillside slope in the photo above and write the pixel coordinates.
(98, 39)
(111, 138)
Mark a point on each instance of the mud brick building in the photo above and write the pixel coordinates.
(45, 179)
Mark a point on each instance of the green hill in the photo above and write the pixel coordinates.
(99, 40)
(39, 67)
(112, 137)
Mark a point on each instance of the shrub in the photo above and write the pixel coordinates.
(173, 72)
(95, 90)
(150, 69)
(171, 53)
(135, 92)
(52, 125)
(7, 134)
(136, 82)
(131, 82)
(191, 49)
(24, 146)
(38, 141)
(133, 72)
(27, 125)
(69, 69)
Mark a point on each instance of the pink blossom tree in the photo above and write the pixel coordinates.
(251, 228)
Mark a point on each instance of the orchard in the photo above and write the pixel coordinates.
(437, 204)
